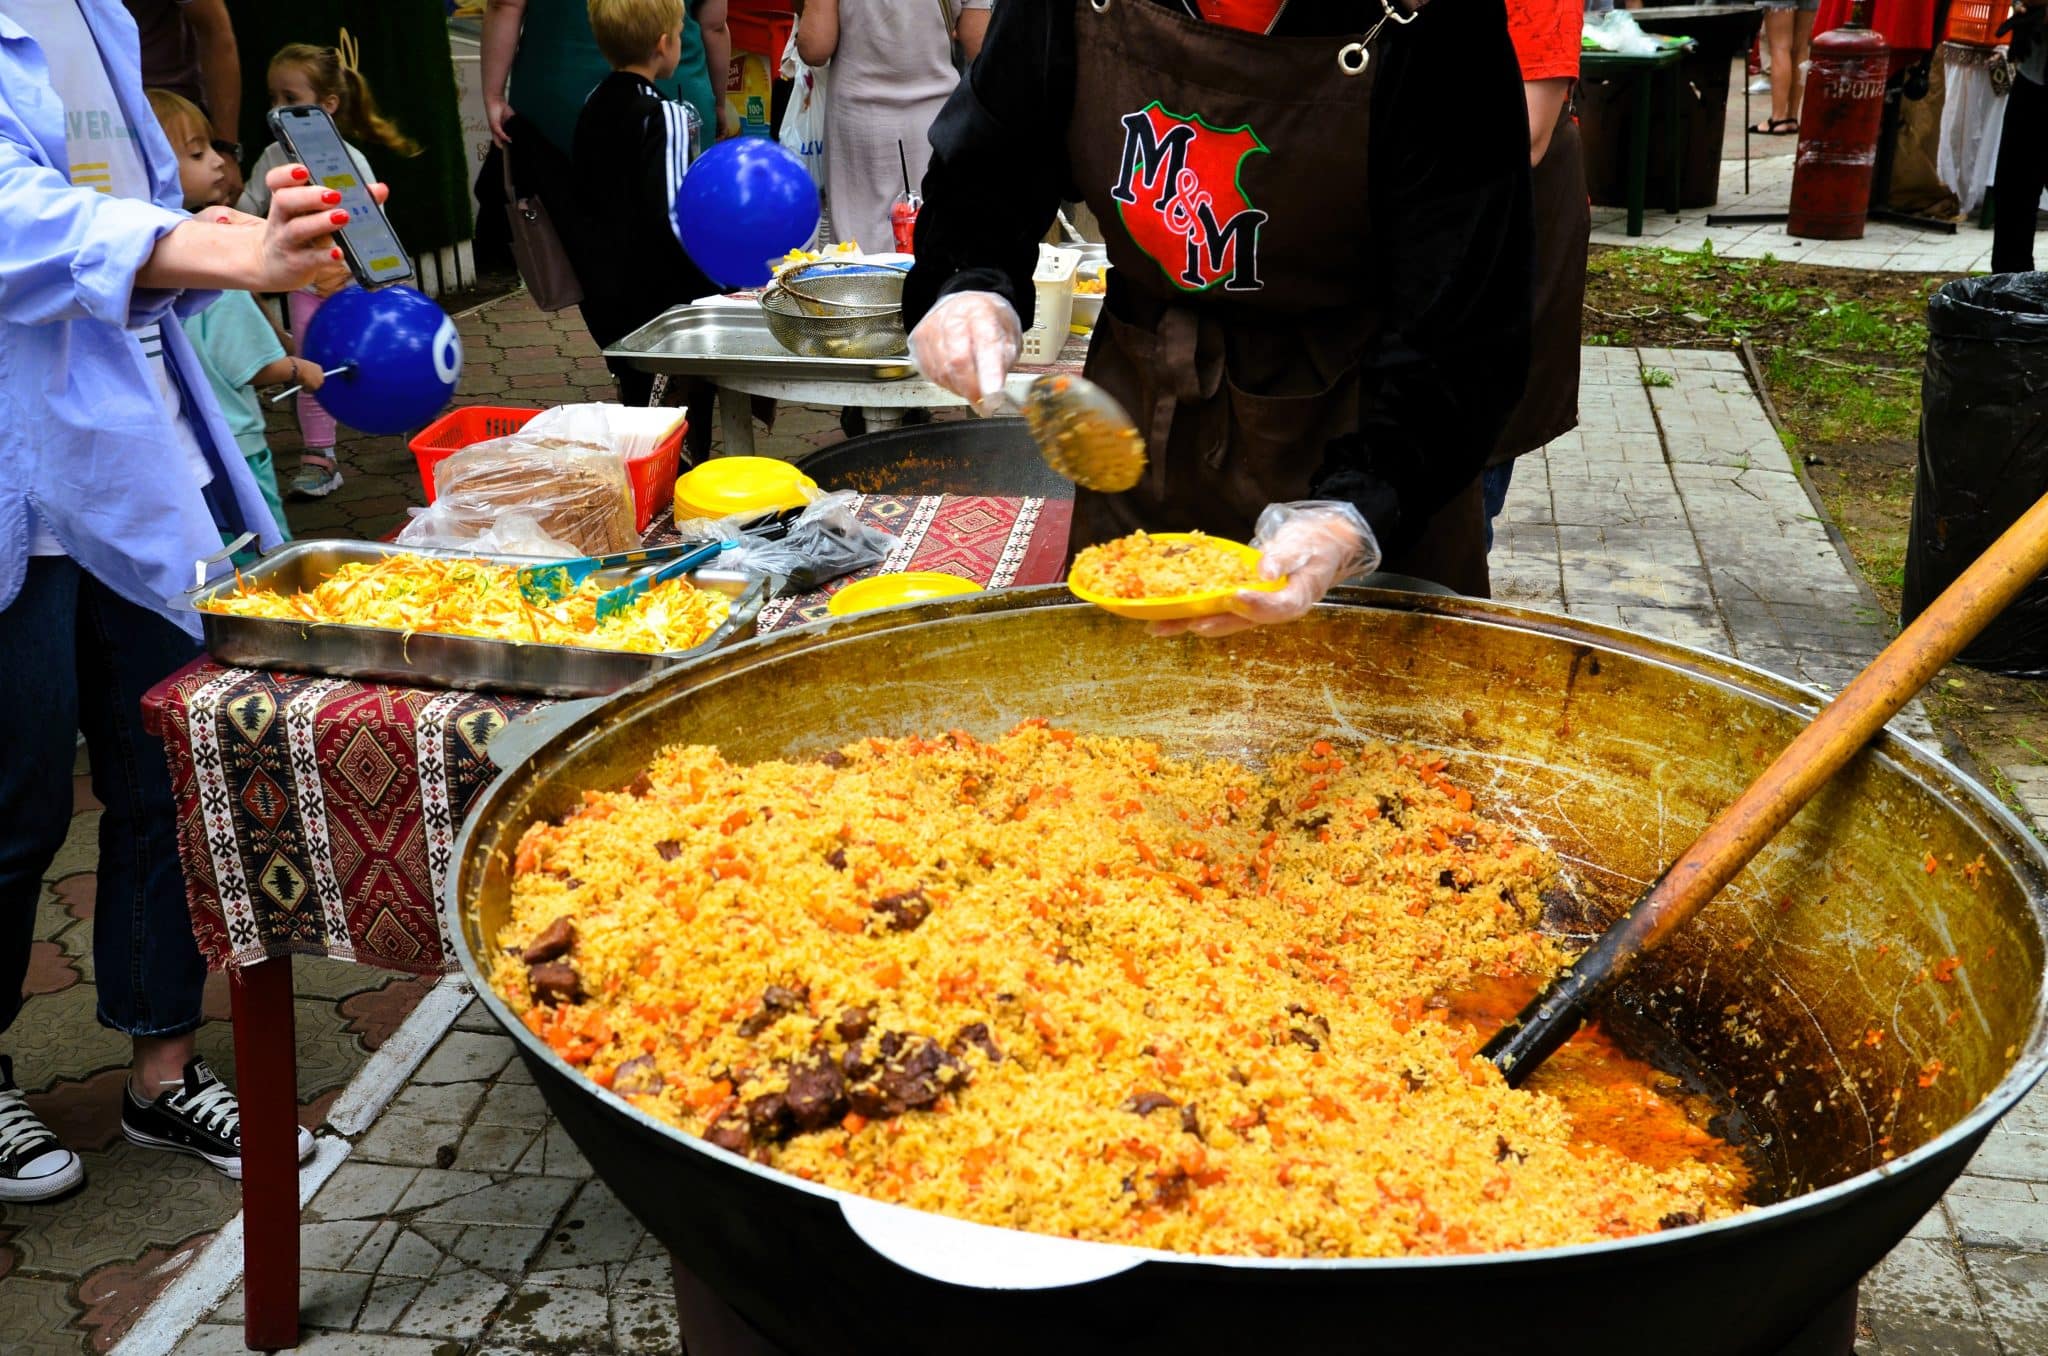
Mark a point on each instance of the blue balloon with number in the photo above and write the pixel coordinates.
(402, 354)
(743, 204)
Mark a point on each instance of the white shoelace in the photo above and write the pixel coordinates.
(19, 1128)
(213, 1108)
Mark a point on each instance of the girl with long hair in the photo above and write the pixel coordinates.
(304, 73)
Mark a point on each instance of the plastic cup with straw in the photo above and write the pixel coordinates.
(903, 212)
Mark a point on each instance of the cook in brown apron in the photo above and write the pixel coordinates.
(1549, 407)
(1228, 170)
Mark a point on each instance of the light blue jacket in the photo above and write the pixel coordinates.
(83, 432)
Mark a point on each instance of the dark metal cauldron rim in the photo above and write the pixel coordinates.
(1733, 675)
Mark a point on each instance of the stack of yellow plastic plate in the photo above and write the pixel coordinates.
(725, 486)
(890, 590)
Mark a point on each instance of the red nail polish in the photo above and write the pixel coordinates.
(334, 253)
(299, 173)
(331, 197)
(338, 218)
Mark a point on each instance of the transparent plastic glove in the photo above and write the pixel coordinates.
(967, 344)
(1312, 544)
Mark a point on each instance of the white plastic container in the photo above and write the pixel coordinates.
(1088, 305)
(1054, 282)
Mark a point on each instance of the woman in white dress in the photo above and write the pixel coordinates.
(892, 70)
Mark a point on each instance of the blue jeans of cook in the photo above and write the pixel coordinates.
(76, 656)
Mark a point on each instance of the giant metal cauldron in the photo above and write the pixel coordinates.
(1615, 748)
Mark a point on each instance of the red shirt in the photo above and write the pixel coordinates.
(1254, 16)
(1546, 37)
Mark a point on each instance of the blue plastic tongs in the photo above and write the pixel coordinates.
(554, 581)
(613, 602)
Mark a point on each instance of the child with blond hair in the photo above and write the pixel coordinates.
(238, 347)
(631, 149)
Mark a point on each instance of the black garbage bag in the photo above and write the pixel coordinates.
(1983, 452)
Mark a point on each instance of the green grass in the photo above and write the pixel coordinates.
(1825, 403)
(1841, 367)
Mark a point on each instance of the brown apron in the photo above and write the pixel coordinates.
(1228, 170)
(1549, 407)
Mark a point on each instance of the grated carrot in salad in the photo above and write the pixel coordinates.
(454, 596)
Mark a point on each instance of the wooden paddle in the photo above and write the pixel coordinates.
(1965, 608)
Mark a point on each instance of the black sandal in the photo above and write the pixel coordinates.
(1775, 127)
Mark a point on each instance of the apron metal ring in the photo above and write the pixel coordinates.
(1099, 6)
(1352, 58)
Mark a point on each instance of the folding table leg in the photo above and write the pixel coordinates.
(1677, 135)
(266, 1075)
(736, 422)
(1639, 151)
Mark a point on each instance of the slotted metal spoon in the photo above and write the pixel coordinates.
(1083, 433)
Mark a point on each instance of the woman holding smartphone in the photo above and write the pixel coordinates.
(117, 472)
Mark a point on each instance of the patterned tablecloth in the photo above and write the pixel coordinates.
(995, 542)
(318, 815)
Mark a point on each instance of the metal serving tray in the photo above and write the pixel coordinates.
(733, 341)
(428, 659)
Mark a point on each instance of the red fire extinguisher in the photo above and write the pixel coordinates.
(1838, 130)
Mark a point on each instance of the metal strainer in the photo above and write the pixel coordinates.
(827, 290)
(848, 332)
(838, 315)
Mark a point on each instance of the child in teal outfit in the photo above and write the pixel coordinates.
(238, 347)
(239, 351)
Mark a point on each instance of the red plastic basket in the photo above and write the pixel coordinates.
(1976, 22)
(653, 476)
(456, 430)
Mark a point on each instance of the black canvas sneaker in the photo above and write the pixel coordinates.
(33, 1165)
(200, 1117)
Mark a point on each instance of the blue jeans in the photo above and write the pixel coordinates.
(76, 656)
(1493, 489)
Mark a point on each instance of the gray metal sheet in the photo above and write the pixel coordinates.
(427, 659)
(733, 341)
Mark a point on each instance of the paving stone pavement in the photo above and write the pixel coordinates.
(74, 1273)
(464, 1223)
(1884, 245)
(1674, 510)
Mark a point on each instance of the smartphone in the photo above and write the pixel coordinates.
(373, 251)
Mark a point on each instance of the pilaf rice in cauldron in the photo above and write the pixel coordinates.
(1067, 984)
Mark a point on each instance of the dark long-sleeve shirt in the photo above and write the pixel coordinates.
(1448, 208)
(630, 151)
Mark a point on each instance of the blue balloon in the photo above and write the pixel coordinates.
(402, 354)
(745, 203)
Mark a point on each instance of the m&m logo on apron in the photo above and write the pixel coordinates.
(1179, 192)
